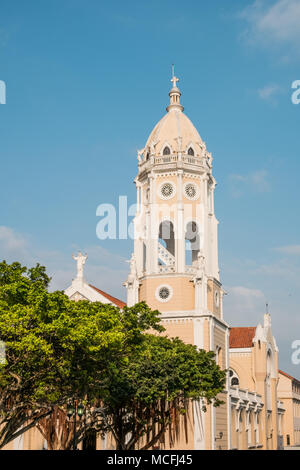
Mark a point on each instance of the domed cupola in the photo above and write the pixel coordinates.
(174, 133)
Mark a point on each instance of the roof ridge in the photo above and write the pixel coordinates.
(287, 375)
(240, 327)
(115, 300)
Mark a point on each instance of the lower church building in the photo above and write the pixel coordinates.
(174, 268)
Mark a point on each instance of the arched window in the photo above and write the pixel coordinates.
(147, 156)
(191, 151)
(233, 378)
(166, 240)
(192, 243)
(219, 356)
(166, 151)
(144, 257)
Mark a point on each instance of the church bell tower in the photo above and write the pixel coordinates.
(174, 267)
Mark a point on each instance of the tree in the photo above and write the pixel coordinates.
(56, 349)
(132, 383)
(146, 398)
(17, 285)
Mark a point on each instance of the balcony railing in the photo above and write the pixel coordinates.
(190, 269)
(245, 395)
(167, 159)
(166, 269)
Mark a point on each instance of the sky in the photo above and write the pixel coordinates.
(87, 80)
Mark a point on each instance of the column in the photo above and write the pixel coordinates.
(180, 235)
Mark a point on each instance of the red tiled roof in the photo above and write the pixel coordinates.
(288, 376)
(113, 300)
(242, 337)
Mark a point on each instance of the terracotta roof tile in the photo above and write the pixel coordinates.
(113, 300)
(242, 337)
(288, 376)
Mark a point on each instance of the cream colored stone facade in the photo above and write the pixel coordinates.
(175, 190)
(254, 368)
(289, 394)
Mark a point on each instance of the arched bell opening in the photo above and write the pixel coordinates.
(166, 244)
(192, 243)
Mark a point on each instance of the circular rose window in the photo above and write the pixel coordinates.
(167, 190)
(190, 190)
(164, 293)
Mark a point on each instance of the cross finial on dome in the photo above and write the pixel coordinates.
(174, 79)
(174, 94)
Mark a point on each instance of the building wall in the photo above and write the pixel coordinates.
(182, 298)
(181, 328)
(30, 440)
(251, 366)
(241, 363)
(289, 394)
(213, 289)
(221, 424)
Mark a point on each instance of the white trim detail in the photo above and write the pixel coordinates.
(192, 146)
(240, 350)
(164, 145)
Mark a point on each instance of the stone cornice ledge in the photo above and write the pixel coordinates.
(188, 314)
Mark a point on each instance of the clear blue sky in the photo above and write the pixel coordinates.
(87, 81)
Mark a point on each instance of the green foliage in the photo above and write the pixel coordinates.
(160, 377)
(57, 349)
(162, 364)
